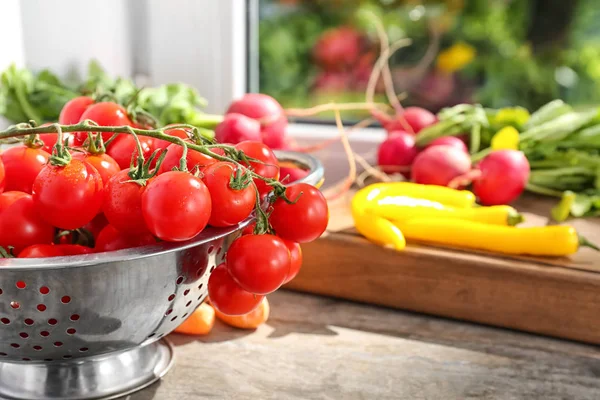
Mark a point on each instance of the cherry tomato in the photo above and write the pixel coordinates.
(106, 166)
(110, 239)
(163, 144)
(22, 164)
(229, 206)
(227, 296)
(258, 263)
(2, 176)
(7, 198)
(124, 149)
(303, 221)
(123, 204)
(249, 230)
(295, 259)
(73, 110)
(73, 249)
(194, 158)
(104, 114)
(40, 251)
(21, 224)
(50, 139)
(268, 168)
(176, 206)
(68, 197)
(96, 225)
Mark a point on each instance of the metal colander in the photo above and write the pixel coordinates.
(89, 326)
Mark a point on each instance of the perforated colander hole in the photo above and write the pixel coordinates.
(74, 317)
(15, 305)
(44, 290)
(174, 318)
(211, 249)
(179, 280)
(52, 321)
(200, 285)
(186, 292)
(1, 291)
(5, 321)
(151, 335)
(169, 311)
(199, 272)
(65, 299)
(26, 359)
(41, 307)
(71, 331)
(3, 354)
(37, 348)
(188, 303)
(45, 333)
(212, 268)
(24, 335)
(171, 297)
(15, 345)
(83, 349)
(58, 344)
(48, 359)
(219, 250)
(21, 285)
(184, 315)
(67, 356)
(28, 321)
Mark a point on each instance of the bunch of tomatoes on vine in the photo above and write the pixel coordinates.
(101, 180)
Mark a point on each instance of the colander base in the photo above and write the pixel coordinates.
(97, 377)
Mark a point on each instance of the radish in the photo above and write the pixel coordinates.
(332, 82)
(397, 153)
(449, 141)
(268, 112)
(501, 177)
(412, 118)
(440, 165)
(236, 128)
(338, 48)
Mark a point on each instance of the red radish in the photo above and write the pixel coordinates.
(338, 48)
(439, 165)
(268, 112)
(413, 118)
(449, 141)
(236, 128)
(332, 82)
(397, 153)
(503, 176)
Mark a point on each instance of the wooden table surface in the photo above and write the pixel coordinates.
(320, 348)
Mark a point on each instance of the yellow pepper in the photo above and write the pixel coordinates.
(403, 208)
(440, 194)
(456, 57)
(555, 240)
(506, 138)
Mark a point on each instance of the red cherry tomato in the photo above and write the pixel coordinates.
(123, 149)
(258, 263)
(295, 259)
(123, 204)
(227, 296)
(104, 114)
(303, 221)
(176, 206)
(2, 176)
(22, 165)
(194, 159)
(106, 166)
(163, 144)
(40, 251)
(268, 168)
(249, 230)
(68, 197)
(96, 225)
(229, 206)
(73, 110)
(74, 249)
(7, 198)
(21, 224)
(110, 239)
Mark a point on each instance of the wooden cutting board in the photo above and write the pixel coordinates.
(552, 296)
